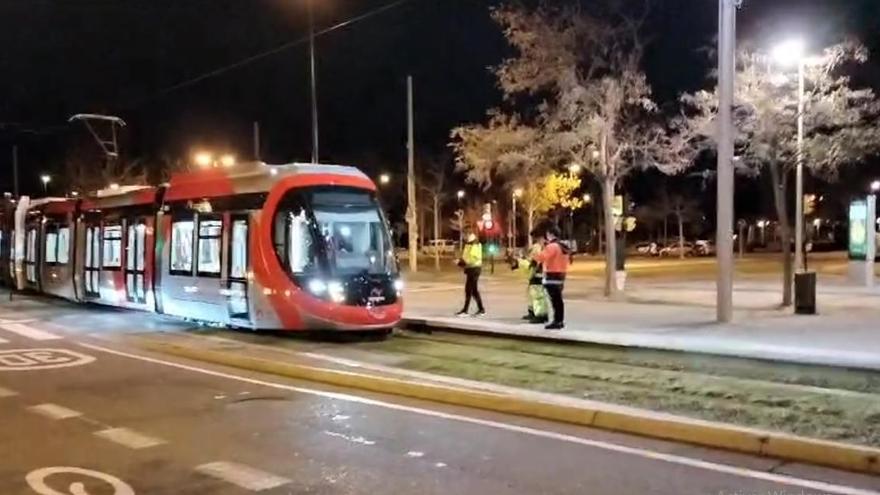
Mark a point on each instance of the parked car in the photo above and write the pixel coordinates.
(443, 246)
(704, 248)
(647, 249)
(675, 250)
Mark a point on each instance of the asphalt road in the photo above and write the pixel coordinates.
(80, 414)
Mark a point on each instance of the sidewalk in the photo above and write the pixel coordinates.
(681, 317)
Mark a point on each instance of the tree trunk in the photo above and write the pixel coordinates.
(436, 231)
(666, 230)
(611, 289)
(680, 234)
(530, 222)
(779, 198)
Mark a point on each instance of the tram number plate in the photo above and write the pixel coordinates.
(41, 359)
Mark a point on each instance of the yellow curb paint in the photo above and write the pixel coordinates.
(717, 435)
(707, 434)
(834, 454)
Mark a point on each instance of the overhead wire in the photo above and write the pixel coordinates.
(272, 51)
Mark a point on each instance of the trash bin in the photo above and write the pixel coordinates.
(805, 293)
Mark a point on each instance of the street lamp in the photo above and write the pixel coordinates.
(875, 186)
(384, 179)
(460, 194)
(574, 168)
(517, 193)
(587, 198)
(45, 178)
(790, 53)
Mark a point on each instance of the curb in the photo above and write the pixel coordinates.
(643, 423)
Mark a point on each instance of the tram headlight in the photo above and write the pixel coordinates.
(317, 286)
(336, 291)
(398, 285)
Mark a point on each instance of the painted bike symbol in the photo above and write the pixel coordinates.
(37, 481)
(40, 359)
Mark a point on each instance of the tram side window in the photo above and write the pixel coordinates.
(51, 247)
(182, 247)
(63, 245)
(112, 246)
(210, 231)
(238, 266)
(57, 245)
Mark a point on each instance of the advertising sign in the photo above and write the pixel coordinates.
(858, 230)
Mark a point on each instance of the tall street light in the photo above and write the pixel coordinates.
(724, 223)
(517, 193)
(790, 53)
(314, 81)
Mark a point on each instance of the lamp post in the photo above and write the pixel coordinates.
(313, 81)
(517, 193)
(45, 179)
(460, 214)
(788, 53)
(724, 223)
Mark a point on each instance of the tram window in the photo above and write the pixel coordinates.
(301, 249)
(112, 246)
(51, 245)
(63, 245)
(238, 267)
(182, 247)
(210, 231)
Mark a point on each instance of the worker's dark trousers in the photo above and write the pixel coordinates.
(554, 292)
(471, 288)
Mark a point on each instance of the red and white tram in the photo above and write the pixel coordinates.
(284, 247)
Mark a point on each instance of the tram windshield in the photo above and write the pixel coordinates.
(340, 228)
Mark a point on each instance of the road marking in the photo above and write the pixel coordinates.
(611, 447)
(54, 411)
(37, 481)
(3, 341)
(41, 359)
(5, 392)
(242, 476)
(29, 331)
(129, 438)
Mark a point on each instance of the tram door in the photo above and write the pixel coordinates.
(237, 283)
(135, 262)
(92, 265)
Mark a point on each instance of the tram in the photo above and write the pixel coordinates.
(275, 247)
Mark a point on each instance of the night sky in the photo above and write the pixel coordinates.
(61, 57)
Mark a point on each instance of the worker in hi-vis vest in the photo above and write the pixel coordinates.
(537, 298)
(471, 261)
(555, 257)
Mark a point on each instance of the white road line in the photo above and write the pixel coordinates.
(5, 392)
(29, 331)
(647, 454)
(242, 476)
(54, 411)
(3, 341)
(129, 438)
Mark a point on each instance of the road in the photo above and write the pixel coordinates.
(82, 413)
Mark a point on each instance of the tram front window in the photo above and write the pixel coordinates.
(333, 241)
(352, 233)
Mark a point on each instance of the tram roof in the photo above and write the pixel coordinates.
(250, 177)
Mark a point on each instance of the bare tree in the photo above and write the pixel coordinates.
(597, 108)
(839, 125)
(435, 177)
